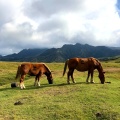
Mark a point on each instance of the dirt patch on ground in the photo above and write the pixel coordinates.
(112, 69)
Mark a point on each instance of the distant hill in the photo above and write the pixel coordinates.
(63, 53)
(115, 48)
(24, 55)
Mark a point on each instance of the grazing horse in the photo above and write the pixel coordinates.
(36, 69)
(84, 64)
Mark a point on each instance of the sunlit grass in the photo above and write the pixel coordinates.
(60, 101)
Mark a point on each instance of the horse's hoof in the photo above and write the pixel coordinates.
(38, 85)
(22, 88)
(74, 82)
(106, 82)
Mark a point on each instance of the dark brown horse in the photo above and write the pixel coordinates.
(84, 64)
(36, 69)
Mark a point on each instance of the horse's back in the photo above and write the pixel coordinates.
(83, 64)
(40, 66)
(25, 67)
(73, 62)
(80, 64)
(77, 63)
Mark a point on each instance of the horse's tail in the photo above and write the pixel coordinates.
(18, 72)
(65, 67)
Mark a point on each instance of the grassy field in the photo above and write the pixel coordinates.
(60, 101)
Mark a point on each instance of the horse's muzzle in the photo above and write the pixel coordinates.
(50, 81)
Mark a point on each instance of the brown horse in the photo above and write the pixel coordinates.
(36, 69)
(84, 64)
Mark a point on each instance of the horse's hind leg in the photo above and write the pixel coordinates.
(92, 81)
(72, 77)
(87, 80)
(68, 76)
(70, 73)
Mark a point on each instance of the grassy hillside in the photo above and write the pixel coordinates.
(60, 101)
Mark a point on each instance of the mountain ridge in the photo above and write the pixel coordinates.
(61, 54)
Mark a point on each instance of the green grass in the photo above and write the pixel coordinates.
(60, 101)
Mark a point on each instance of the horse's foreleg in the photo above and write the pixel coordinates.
(35, 83)
(92, 81)
(22, 86)
(38, 80)
(87, 80)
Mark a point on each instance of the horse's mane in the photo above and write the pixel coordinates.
(99, 64)
(47, 67)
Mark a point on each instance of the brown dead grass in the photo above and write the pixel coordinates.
(112, 69)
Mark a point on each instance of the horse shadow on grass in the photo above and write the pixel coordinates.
(29, 87)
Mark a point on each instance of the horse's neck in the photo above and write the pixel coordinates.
(99, 67)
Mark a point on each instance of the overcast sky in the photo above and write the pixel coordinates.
(52, 23)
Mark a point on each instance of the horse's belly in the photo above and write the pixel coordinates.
(82, 68)
(33, 73)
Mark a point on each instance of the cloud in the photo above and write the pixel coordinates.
(8, 10)
(43, 23)
(45, 8)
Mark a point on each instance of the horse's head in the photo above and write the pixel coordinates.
(49, 78)
(102, 77)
